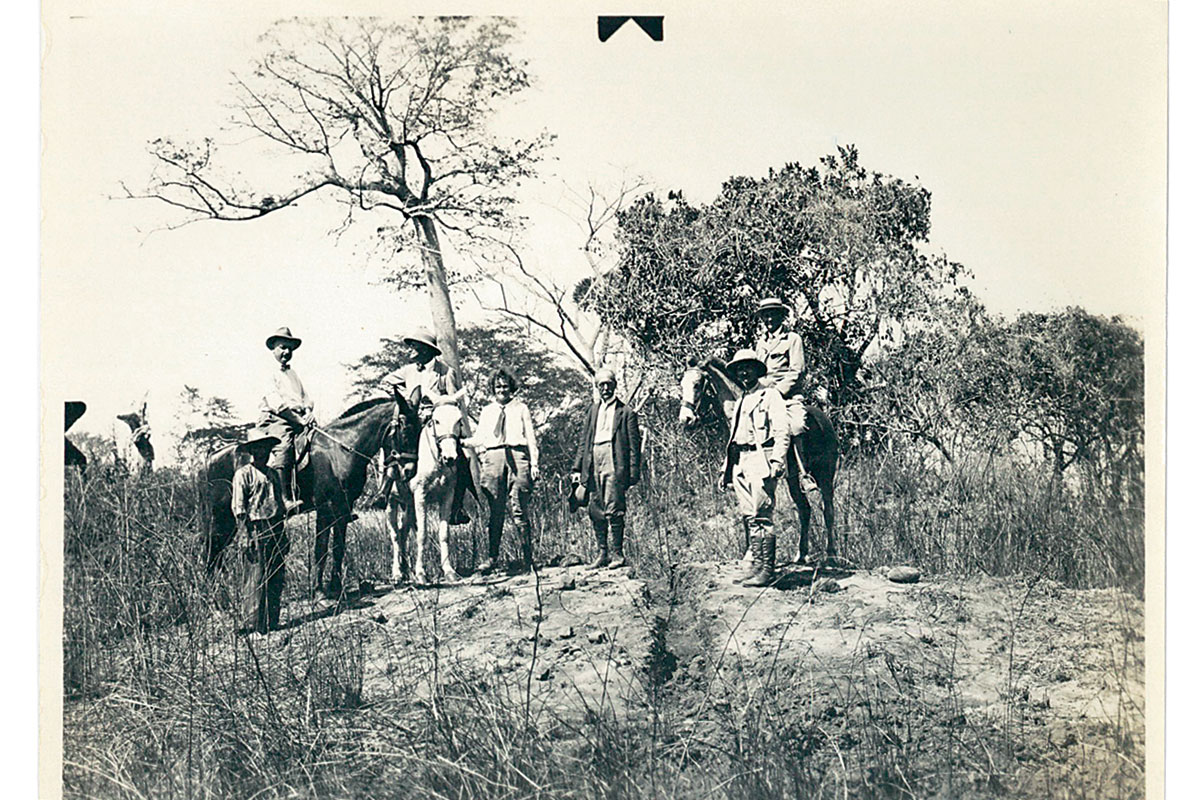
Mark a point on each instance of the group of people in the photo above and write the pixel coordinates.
(608, 459)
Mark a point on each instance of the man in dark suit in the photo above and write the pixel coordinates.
(608, 462)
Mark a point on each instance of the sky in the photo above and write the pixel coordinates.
(1040, 130)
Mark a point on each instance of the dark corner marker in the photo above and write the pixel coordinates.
(607, 26)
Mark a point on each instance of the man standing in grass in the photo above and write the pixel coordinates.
(755, 458)
(608, 462)
(258, 507)
(508, 456)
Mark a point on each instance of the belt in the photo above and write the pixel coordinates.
(745, 448)
(522, 447)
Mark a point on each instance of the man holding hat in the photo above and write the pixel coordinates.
(608, 462)
(286, 410)
(258, 506)
(782, 352)
(755, 458)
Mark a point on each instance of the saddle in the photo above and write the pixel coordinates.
(302, 447)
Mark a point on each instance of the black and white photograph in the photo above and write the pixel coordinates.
(498, 400)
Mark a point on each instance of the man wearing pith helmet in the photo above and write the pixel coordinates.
(782, 351)
(438, 384)
(286, 410)
(607, 463)
(755, 458)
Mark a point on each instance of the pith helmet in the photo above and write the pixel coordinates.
(745, 356)
(422, 336)
(770, 303)
(284, 334)
(258, 438)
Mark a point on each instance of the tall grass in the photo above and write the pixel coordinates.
(166, 700)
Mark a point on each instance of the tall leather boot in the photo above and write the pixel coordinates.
(291, 503)
(766, 572)
(526, 533)
(751, 569)
(601, 529)
(458, 514)
(617, 525)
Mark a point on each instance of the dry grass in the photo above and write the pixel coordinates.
(165, 700)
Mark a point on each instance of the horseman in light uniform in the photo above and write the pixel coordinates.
(438, 384)
(286, 411)
(782, 351)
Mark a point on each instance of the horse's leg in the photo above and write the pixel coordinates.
(803, 511)
(448, 573)
(219, 537)
(827, 512)
(418, 510)
(339, 551)
(397, 540)
(320, 549)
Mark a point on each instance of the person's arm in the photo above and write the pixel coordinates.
(238, 496)
(584, 442)
(530, 440)
(635, 446)
(789, 378)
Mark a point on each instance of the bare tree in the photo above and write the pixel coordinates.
(389, 117)
(557, 310)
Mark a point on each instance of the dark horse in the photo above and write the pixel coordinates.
(331, 482)
(818, 444)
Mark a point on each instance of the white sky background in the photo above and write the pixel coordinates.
(1038, 128)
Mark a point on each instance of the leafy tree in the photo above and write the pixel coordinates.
(1080, 389)
(385, 116)
(838, 243)
(206, 423)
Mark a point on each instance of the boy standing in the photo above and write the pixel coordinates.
(258, 506)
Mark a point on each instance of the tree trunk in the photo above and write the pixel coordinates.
(439, 293)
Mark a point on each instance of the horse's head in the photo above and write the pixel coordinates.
(446, 426)
(689, 391)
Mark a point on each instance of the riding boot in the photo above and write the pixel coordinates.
(601, 529)
(766, 573)
(291, 505)
(494, 532)
(526, 533)
(617, 525)
(750, 569)
(458, 514)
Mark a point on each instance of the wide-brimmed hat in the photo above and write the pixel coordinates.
(745, 356)
(577, 496)
(286, 335)
(769, 304)
(258, 438)
(422, 336)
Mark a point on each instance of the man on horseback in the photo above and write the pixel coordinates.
(782, 352)
(438, 384)
(287, 410)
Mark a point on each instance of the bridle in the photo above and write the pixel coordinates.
(429, 429)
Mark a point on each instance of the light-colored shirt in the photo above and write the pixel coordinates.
(783, 353)
(435, 378)
(257, 494)
(286, 392)
(604, 421)
(516, 430)
(761, 419)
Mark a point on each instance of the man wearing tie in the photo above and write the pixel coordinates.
(286, 410)
(508, 456)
